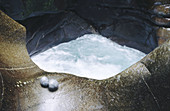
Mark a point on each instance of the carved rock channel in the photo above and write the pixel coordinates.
(143, 86)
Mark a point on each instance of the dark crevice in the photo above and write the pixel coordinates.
(2, 90)
(150, 90)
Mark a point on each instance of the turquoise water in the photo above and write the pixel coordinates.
(91, 55)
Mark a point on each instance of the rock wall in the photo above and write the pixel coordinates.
(110, 19)
(47, 30)
(140, 24)
(143, 86)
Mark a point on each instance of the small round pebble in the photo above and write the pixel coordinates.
(44, 81)
(53, 85)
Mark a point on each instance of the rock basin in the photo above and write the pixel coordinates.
(143, 86)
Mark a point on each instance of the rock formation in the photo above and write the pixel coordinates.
(47, 30)
(143, 86)
(140, 24)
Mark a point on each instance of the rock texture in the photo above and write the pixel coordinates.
(164, 34)
(47, 30)
(12, 40)
(145, 86)
(126, 22)
(134, 23)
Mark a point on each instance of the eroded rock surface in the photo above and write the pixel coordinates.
(134, 23)
(143, 86)
(47, 30)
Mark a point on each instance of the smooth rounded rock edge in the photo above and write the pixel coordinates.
(44, 82)
(53, 85)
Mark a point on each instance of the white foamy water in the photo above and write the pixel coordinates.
(91, 56)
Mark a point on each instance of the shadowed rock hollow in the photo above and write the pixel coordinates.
(140, 24)
(143, 86)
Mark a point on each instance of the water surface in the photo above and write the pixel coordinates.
(91, 55)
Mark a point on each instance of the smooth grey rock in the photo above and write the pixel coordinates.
(53, 85)
(44, 81)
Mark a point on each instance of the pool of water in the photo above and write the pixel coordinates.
(91, 55)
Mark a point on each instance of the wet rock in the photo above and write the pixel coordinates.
(44, 81)
(163, 34)
(53, 85)
(162, 10)
(162, 21)
(21, 9)
(12, 36)
(138, 33)
(103, 11)
(143, 86)
(158, 64)
(47, 30)
(128, 20)
(133, 23)
(14, 8)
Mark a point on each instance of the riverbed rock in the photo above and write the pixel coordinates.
(129, 22)
(143, 86)
(12, 36)
(164, 34)
(47, 30)
(133, 23)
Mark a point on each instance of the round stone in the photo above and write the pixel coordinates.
(53, 85)
(44, 81)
